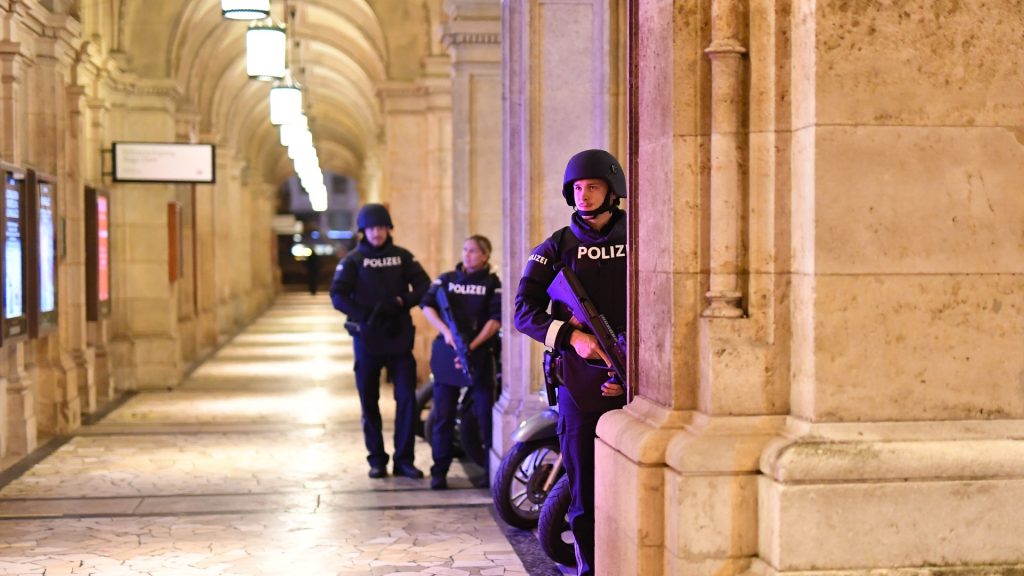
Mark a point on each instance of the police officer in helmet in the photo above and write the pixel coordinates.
(594, 247)
(376, 285)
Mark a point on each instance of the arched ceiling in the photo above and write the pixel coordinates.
(340, 50)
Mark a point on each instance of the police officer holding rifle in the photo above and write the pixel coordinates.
(465, 307)
(593, 248)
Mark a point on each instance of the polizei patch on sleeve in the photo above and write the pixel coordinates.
(382, 262)
(601, 252)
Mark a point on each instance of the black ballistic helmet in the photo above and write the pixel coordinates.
(594, 164)
(372, 215)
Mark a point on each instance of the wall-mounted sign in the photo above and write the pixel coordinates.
(97, 254)
(47, 250)
(15, 320)
(163, 163)
(41, 240)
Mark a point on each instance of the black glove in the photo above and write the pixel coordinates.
(386, 314)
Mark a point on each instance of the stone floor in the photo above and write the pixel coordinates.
(254, 465)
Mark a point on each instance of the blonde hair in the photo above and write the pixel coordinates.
(482, 243)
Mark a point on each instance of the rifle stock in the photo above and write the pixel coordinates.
(567, 289)
(461, 347)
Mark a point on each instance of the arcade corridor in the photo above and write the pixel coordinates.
(254, 465)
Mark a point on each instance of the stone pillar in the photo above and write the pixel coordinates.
(562, 93)
(145, 304)
(417, 156)
(904, 443)
(185, 131)
(56, 377)
(224, 221)
(71, 283)
(244, 296)
(473, 39)
(711, 387)
(98, 336)
(727, 146)
(870, 391)
(20, 410)
(16, 61)
(206, 261)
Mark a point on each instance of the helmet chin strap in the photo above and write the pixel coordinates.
(606, 206)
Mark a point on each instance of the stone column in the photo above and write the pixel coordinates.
(17, 58)
(72, 287)
(22, 429)
(562, 88)
(14, 61)
(473, 40)
(417, 156)
(145, 304)
(56, 377)
(728, 103)
(98, 334)
(677, 490)
(206, 263)
(904, 445)
(185, 131)
(224, 214)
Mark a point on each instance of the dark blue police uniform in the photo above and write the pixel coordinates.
(365, 286)
(599, 260)
(475, 298)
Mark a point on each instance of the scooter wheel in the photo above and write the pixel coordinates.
(518, 489)
(553, 529)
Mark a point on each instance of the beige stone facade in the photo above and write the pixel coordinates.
(826, 227)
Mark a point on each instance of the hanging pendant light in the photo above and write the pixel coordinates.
(245, 9)
(285, 103)
(265, 45)
(291, 130)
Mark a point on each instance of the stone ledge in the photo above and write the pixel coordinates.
(759, 568)
(642, 430)
(873, 452)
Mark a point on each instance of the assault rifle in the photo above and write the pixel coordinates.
(461, 347)
(567, 289)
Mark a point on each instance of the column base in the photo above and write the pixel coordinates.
(82, 362)
(157, 365)
(854, 498)
(630, 504)
(21, 420)
(760, 568)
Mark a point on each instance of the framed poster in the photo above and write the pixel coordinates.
(41, 236)
(15, 308)
(97, 254)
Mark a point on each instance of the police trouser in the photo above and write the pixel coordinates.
(446, 407)
(576, 433)
(402, 369)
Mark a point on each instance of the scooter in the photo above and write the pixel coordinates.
(528, 470)
(531, 467)
(530, 488)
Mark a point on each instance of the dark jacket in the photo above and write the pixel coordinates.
(599, 260)
(364, 287)
(474, 298)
